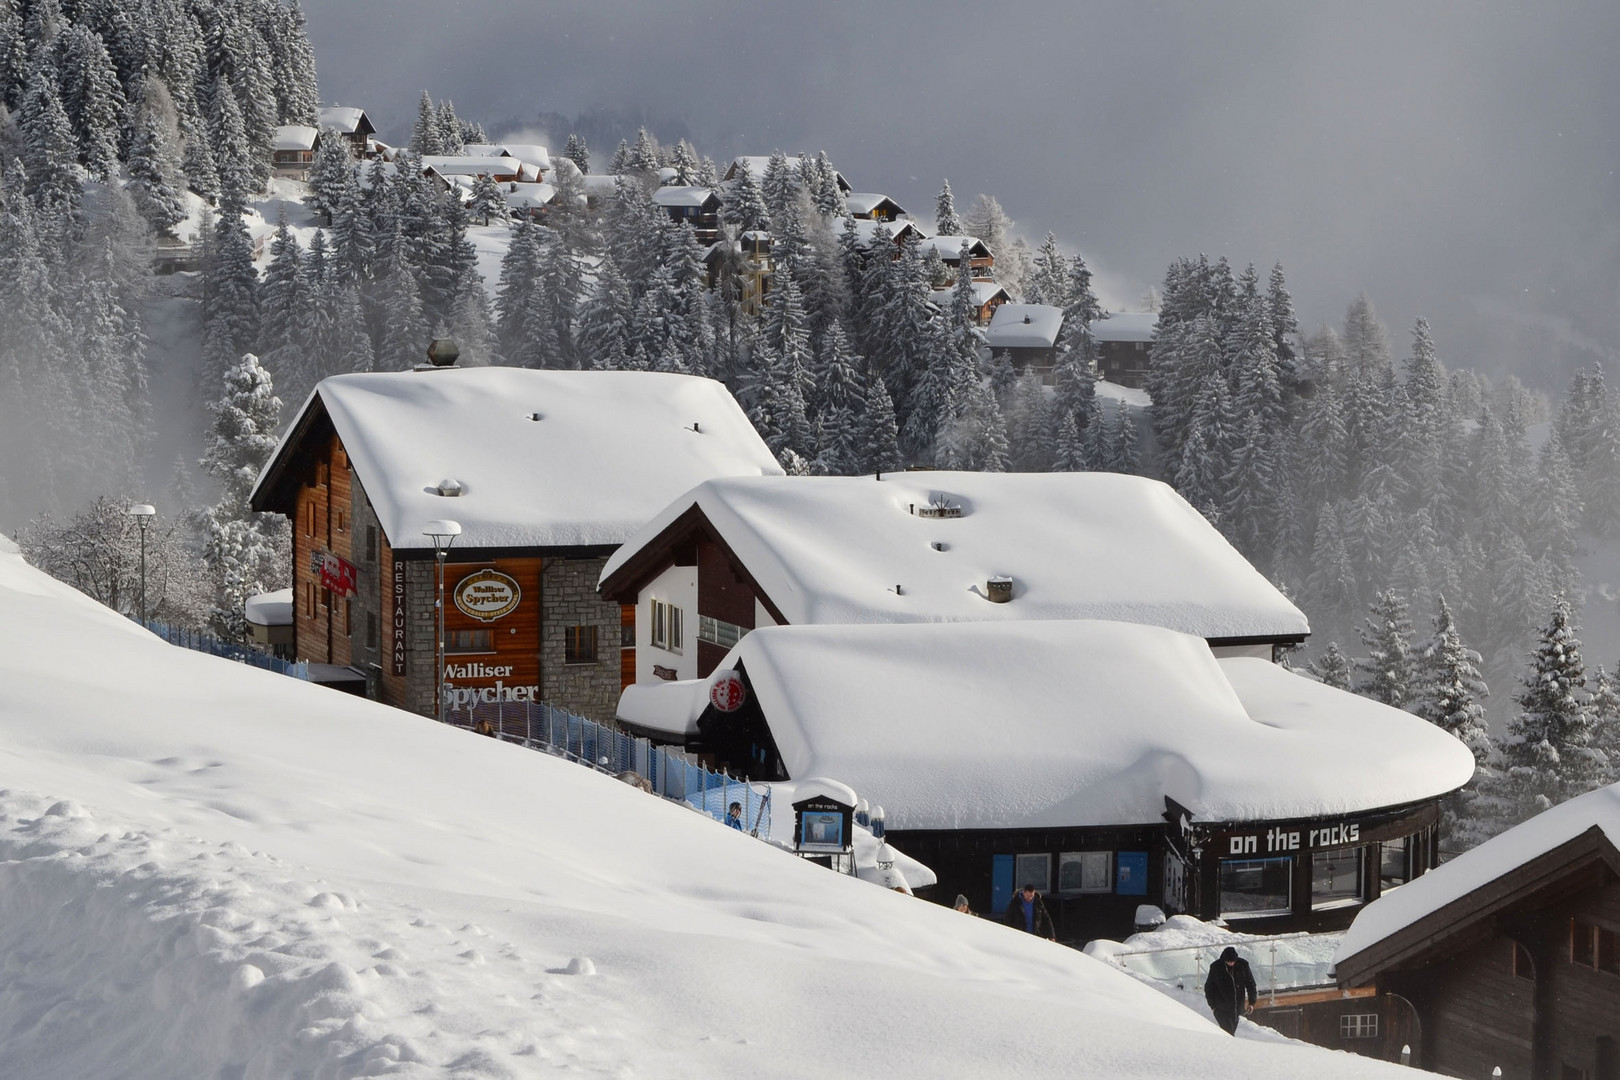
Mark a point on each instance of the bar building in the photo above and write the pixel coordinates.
(547, 473)
(1109, 764)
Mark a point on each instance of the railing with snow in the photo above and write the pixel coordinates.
(1279, 962)
(198, 641)
(666, 772)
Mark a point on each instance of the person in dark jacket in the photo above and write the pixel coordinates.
(1230, 989)
(1028, 913)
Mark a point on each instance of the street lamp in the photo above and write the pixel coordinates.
(142, 513)
(443, 534)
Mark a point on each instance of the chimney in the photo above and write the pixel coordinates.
(998, 589)
(442, 352)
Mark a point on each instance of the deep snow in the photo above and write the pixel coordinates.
(208, 870)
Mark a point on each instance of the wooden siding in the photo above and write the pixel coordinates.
(321, 623)
(627, 652)
(722, 594)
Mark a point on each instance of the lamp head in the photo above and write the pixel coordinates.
(442, 532)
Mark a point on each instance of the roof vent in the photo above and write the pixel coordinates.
(939, 506)
(536, 416)
(450, 488)
(1026, 319)
(998, 589)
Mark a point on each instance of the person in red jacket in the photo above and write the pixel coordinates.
(1028, 913)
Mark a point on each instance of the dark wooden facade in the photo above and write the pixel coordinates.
(1124, 363)
(1521, 974)
(1360, 1021)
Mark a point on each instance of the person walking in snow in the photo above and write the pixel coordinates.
(734, 816)
(963, 906)
(1028, 913)
(1230, 989)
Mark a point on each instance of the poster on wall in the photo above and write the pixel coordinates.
(1130, 874)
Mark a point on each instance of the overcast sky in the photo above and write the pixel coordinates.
(1450, 160)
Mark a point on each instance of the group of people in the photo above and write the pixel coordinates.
(1229, 988)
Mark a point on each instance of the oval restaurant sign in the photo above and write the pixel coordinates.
(487, 595)
(726, 692)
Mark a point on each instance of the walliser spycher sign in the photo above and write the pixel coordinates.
(487, 595)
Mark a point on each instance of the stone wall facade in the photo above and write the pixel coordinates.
(570, 600)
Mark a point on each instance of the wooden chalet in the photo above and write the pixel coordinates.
(697, 206)
(293, 150)
(352, 124)
(1509, 955)
(746, 263)
(1122, 346)
(871, 206)
(1028, 333)
(987, 296)
(982, 263)
(546, 472)
(1108, 764)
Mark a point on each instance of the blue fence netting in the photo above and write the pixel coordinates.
(665, 772)
(197, 641)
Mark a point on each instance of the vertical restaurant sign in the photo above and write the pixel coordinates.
(399, 617)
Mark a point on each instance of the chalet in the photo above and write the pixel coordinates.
(546, 472)
(1028, 333)
(536, 159)
(757, 165)
(987, 296)
(1108, 764)
(747, 261)
(1509, 955)
(870, 206)
(352, 124)
(866, 232)
(735, 554)
(293, 150)
(1122, 346)
(500, 168)
(529, 200)
(698, 206)
(982, 264)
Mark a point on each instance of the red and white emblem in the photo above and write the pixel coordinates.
(726, 692)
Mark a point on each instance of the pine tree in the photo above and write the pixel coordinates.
(425, 134)
(880, 435)
(1331, 668)
(945, 220)
(743, 204)
(1386, 673)
(284, 302)
(1049, 284)
(50, 153)
(156, 182)
(331, 177)
(227, 135)
(1604, 705)
(576, 151)
(450, 140)
(230, 305)
(1448, 689)
(93, 100)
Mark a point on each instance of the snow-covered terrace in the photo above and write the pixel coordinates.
(544, 458)
(831, 549)
(1066, 724)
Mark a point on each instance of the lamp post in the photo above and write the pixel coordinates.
(443, 534)
(142, 513)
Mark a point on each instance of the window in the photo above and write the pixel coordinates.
(371, 542)
(579, 645)
(1085, 872)
(1393, 864)
(1033, 870)
(627, 636)
(309, 518)
(322, 471)
(341, 520)
(668, 626)
(719, 633)
(326, 599)
(1594, 947)
(1358, 1026)
(469, 641)
(371, 629)
(1251, 887)
(1335, 877)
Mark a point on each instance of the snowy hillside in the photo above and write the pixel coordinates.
(207, 870)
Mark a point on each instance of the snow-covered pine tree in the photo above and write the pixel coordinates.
(230, 307)
(284, 301)
(93, 99)
(1604, 704)
(331, 177)
(1331, 668)
(1049, 283)
(50, 155)
(945, 220)
(1448, 689)
(880, 435)
(450, 140)
(1386, 673)
(1284, 327)
(227, 136)
(1029, 414)
(156, 182)
(579, 153)
(425, 133)
(606, 321)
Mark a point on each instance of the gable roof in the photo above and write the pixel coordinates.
(863, 203)
(1125, 326)
(1095, 723)
(1024, 326)
(294, 137)
(983, 293)
(866, 228)
(832, 549)
(950, 247)
(1403, 926)
(346, 119)
(684, 195)
(610, 448)
(446, 165)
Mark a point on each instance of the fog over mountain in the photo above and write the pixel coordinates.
(1456, 161)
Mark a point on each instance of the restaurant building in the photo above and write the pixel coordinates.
(545, 472)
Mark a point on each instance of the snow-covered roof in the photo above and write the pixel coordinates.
(865, 228)
(1024, 326)
(864, 202)
(529, 153)
(610, 448)
(833, 549)
(1094, 723)
(1125, 326)
(950, 247)
(345, 118)
(294, 137)
(270, 609)
(527, 196)
(679, 195)
(983, 293)
(1482, 865)
(471, 166)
